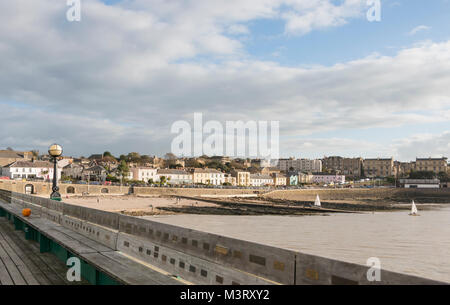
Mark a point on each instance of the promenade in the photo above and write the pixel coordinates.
(21, 263)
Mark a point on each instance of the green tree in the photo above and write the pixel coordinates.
(175, 166)
(170, 156)
(422, 175)
(145, 159)
(391, 180)
(194, 163)
(123, 168)
(112, 178)
(444, 177)
(107, 154)
(219, 166)
(134, 157)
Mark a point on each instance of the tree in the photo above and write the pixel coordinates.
(444, 177)
(108, 154)
(219, 166)
(170, 156)
(109, 159)
(162, 180)
(175, 166)
(391, 180)
(145, 159)
(236, 165)
(9, 148)
(112, 178)
(134, 157)
(123, 168)
(193, 163)
(422, 175)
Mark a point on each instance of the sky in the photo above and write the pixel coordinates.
(121, 76)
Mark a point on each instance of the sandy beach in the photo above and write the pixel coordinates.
(134, 204)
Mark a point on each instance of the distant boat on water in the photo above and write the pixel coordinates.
(414, 211)
(317, 202)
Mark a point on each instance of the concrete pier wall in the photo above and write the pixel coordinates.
(200, 257)
(380, 195)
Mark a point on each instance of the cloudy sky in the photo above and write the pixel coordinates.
(118, 79)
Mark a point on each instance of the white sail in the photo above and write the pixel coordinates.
(317, 202)
(414, 208)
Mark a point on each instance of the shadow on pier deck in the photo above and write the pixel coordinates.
(21, 262)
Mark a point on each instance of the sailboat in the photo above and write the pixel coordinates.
(414, 211)
(317, 202)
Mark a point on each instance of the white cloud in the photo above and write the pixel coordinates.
(418, 29)
(424, 146)
(119, 78)
(316, 14)
(238, 29)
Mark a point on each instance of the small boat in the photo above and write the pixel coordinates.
(414, 211)
(317, 202)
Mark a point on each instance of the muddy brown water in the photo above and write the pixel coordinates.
(414, 245)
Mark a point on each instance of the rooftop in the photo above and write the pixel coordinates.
(207, 171)
(172, 172)
(37, 164)
(11, 154)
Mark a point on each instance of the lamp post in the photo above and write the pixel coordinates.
(55, 151)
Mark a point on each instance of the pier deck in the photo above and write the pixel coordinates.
(21, 263)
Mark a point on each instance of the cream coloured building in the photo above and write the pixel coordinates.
(436, 165)
(303, 165)
(305, 178)
(379, 167)
(208, 176)
(230, 179)
(279, 180)
(242, 178)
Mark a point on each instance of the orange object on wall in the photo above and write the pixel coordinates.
(26, 212)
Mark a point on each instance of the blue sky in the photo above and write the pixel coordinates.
(118, 79)
(359, 38)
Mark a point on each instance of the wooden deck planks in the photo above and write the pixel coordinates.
(5, 278)
(12, 269)
(21, 263)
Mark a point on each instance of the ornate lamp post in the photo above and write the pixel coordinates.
(55, 151)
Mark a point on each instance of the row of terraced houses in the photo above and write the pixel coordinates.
(283, 172)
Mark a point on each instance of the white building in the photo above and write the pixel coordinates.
(175, 176)
(420, 183)
(261, 180)
(327, 179)
(302, 165)
(144, 173)
(31, 170)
